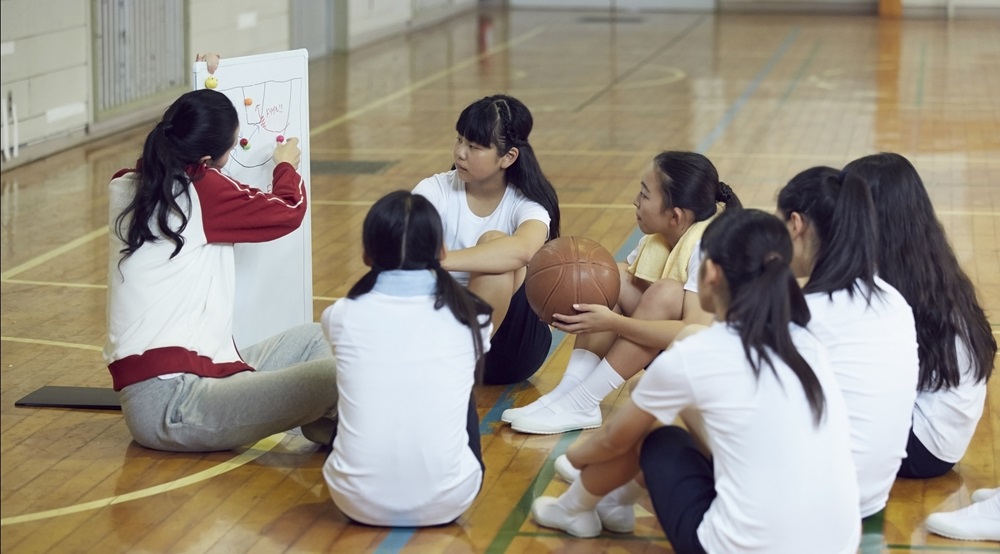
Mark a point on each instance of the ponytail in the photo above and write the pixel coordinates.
(840, 210)
(198, 124)
(689, 181)
(753, 250)
(727, 197)
(402, 231)
(467, 308)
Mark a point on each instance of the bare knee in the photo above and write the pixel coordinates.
(491, 236)
(663, 299)
(631, 290)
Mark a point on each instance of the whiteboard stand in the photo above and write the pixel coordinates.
(273, 279)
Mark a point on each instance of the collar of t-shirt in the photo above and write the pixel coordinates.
(406, 282)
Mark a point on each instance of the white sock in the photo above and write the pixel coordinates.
(581, 365)
(588, 394)
(627, 494)
(577, 498)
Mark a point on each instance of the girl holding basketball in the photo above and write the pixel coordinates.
(497, 209)
(863, 321)
(171, 290)
(956, 344)
(678, 196)
(777, 475)
(398, 460)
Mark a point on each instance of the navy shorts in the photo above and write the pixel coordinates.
(520, 345)
(681, 484)
(919, 463)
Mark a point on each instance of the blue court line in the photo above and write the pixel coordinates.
(727, 119)
(397, 538)
(801, 71)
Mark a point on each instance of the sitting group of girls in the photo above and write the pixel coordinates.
(800, 405)
(786, 421)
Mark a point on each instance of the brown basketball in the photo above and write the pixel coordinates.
(567, 271)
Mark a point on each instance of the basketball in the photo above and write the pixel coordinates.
(567, 271)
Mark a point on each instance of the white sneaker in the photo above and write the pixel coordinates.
(510, 414)
(547, 512)
(977, 495)
(976, 522)
(549, 423)
(617, 518)
(565, 470)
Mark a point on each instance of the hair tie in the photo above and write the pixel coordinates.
(377, 268)
(434, 264)
(724, 194)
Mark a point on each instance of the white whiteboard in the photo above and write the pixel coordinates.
(273, 279)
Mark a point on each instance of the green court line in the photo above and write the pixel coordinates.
(943, 548)
(872, 539)
(509, 530)
(801, 71)
(921, 73)
(615, 536)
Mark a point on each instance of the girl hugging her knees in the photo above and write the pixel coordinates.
(678, 196)
(497, 210)
(864, 322)
(956, 343)
(766, 465)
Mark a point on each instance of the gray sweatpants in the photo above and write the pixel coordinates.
(295, 384)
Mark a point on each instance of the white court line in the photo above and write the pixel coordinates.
(256, 451)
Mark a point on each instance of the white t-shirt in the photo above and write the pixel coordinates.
(783, 484)
(462, 228)
(945, 420)
(873, 351)
(405, 372)
(694, 263)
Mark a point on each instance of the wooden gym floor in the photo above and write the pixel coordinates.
(762, 96)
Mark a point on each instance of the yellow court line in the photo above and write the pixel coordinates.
(967, 212)
(343, 202)
(102, 232)
(424, 82)
(54, 284)
(541, 152)
(256, 451)
(54, 343)
(561, 205)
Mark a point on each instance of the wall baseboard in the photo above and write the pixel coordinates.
(93, 131)
(418, 22)
(832, 7)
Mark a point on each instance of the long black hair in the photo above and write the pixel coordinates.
(690, 181)
(198, 124)
(403, 231)
(915, 257)
(504, 122)
(839, 209)
(753, 250)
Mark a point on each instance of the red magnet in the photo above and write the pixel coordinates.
(245, 143)
(281, 138)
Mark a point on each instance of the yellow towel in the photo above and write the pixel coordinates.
(656, 260)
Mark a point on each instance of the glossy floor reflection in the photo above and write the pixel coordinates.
(762, 96)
